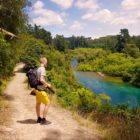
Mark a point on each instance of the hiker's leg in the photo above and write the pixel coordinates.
(45, 100)
(44, 121)
(46, 103)
(38, 109)
(46, 108)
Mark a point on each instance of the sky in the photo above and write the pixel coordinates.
(90, 18)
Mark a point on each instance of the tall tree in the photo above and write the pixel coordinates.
(79, 41)
(137, 40)
(123, 38)
(120, 44)
(40, 33)
(125, 35)
(61, 43)
(12, 15)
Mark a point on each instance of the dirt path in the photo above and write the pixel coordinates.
(24, 126)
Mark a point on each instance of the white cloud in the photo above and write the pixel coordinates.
(103, 16)
(131, 4)
(45, 16)
(122, 21)
(39, 4)
(64, 14)
(63, 3)
(129, 13)
(77, 26)
(87, 4)
(126, 18)
(94, 11)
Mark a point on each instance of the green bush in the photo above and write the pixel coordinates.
(6, 61)
(34, 49)
(113, 64)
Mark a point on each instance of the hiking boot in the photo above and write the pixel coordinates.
(39, 120)
(45, 122)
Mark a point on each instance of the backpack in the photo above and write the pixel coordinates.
(32, 77)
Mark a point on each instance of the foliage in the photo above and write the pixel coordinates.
(107, 42)
(121, 43)
(132, 50)
(78, 42)
(6, 61)
(34, 49)
(83, 54)
(123, 38)
(13, 19)
(40, 33)
(121, 121)
(12, 15)
(114, 64)
(136, 39)
(60, 43)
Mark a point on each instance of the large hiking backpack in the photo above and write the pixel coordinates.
(32, 77)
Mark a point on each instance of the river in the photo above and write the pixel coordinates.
(119, 91)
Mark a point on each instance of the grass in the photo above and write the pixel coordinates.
(108, 127)
(113, 79)
(82, 120)
(5, 119)
(118, 128)
(5, 111)
(3, 84)
(5, 107)
(89, 123)
(3, 104)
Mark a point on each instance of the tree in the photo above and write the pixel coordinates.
(40, 33)
(132, 50)
(6, 58)
(137, 40)
(125, 35)
(108, 42)
(12, 15)
(60, 43)
(120, 44)
(123, 38)
(78, 42)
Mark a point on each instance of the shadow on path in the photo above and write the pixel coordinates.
(8, 97)
(58, 135)
(53, 135)
(27, 121)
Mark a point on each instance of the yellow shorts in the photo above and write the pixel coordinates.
(42, 97)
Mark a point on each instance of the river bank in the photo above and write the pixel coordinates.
(101, 74)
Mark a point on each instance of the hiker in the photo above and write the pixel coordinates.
(41, 96)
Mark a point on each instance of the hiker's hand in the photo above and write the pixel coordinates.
(48, 85)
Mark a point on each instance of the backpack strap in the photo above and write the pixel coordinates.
(28, 85)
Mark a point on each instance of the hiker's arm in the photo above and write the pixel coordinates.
(44, 82)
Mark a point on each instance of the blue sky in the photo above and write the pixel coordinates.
(91, 18)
